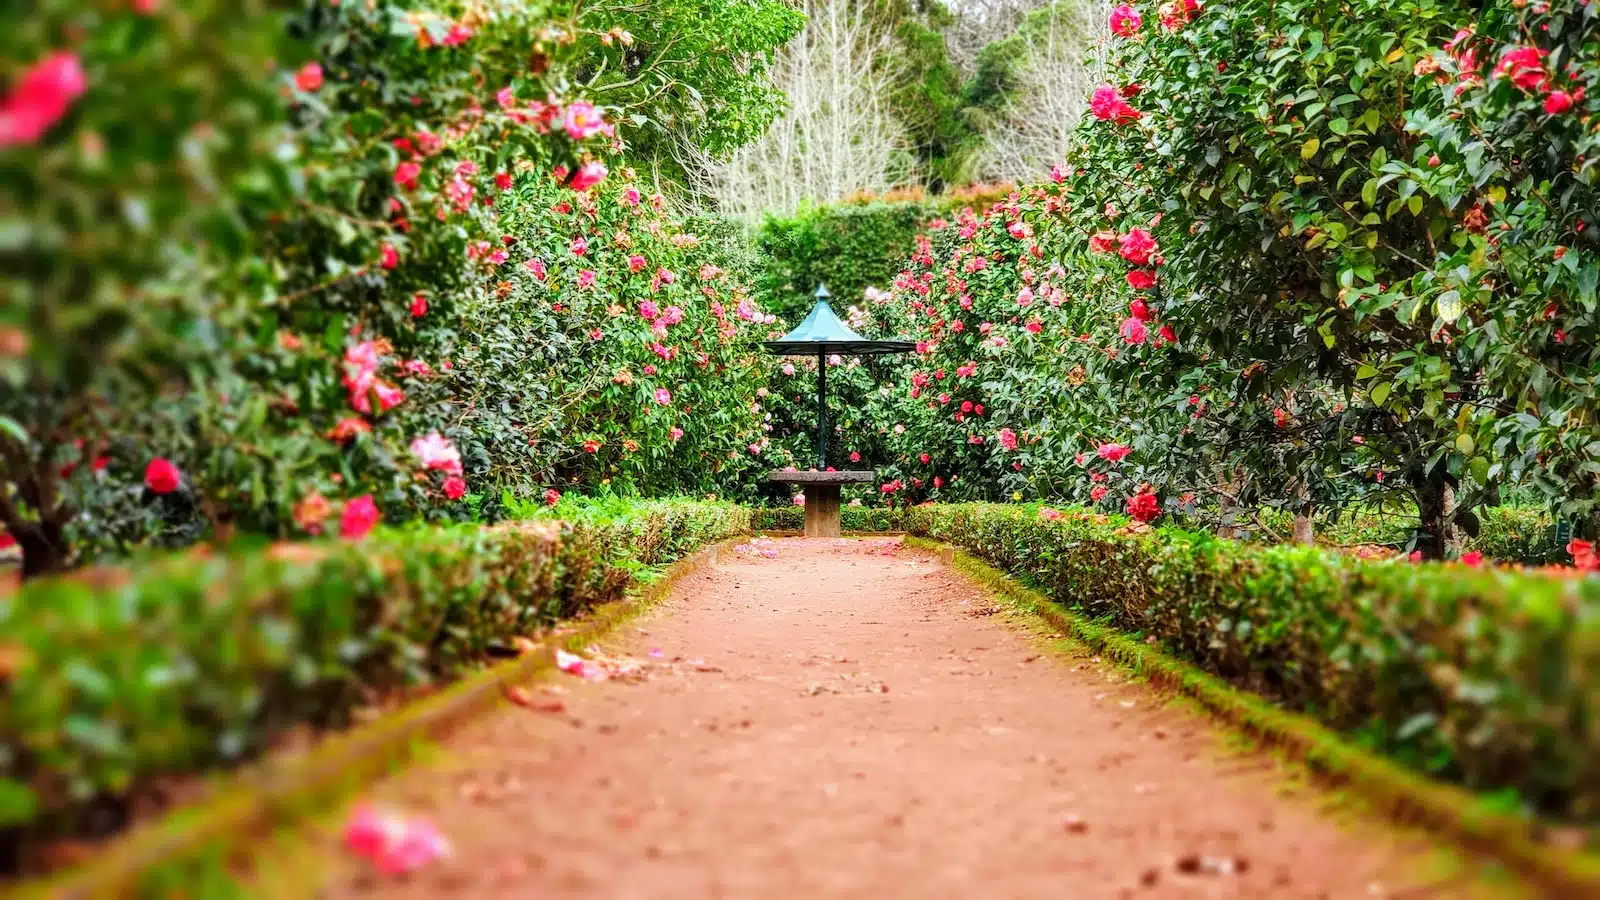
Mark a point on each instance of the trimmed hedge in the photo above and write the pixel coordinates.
(1519, 534)
(1489, 677)
(851, 518)
(112, 681)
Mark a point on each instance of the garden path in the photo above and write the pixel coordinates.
(852, 719)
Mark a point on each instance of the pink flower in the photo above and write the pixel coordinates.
(799, 499)
(1140, 279)
(506, 97)
(636, 263)
(1113, 452)
(589, 175)
(1525, 67)
(457, 35)
(663, 396)
(40, 98)
(395, 846)
(552, 497)
(648, 310)
(536, 266)
(419, 306)
(435, 452)
(455, 487)
(1098, 493)
(675, 433)
(1008, 439)
(630, 197)
(389, 257)
(309, 78)
(1136, 246)
(1133, 331)
(583, 121)
(389, 396)
(1559, 102)
(161, 476)
(405, 174)
(585, 279)
(579, 246)
(1472, 558)
(1144, 506)
(1048, 514)
(1107, 105)
(1125, 21)
(358, 518)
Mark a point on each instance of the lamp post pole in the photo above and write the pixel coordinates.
(822, 412)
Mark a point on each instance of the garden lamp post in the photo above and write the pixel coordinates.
(821, 334)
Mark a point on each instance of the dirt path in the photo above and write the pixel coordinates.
(845, 720)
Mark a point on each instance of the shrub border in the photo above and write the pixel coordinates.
(285, 789)
(1398, 794)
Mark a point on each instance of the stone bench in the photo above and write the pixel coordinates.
(822, 495)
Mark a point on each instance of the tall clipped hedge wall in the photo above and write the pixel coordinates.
(115, 679)
(1489, 677)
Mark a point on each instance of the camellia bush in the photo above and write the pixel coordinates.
(1300, 255)
(242, 270)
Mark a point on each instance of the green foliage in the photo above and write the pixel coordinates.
(115, 679)
(848, 247)
(1485, 676)
(279, 257)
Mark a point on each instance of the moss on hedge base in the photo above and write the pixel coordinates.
(198, 662)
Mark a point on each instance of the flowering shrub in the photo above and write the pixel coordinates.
(259, 257)
(1363, 268)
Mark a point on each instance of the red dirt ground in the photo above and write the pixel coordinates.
(848, 720)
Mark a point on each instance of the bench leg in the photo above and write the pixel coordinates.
(822, 510)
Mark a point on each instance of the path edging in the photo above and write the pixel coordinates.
(276, 791)
(1396, 792)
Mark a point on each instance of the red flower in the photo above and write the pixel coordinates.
(925, 458)
(1137, 246)
(1583, 555)
(419, 306)
(454, 487)
(40, 98)
(1472, 558)
(1125, 21)
(405, 174)
(1112, 452)
(1098, 493)
(1140, 310)
(309, 78)
(359, 517)
(589, 175)
(1525, 67)
(390, 257)
(162, 476)
(552, 497)
(1167, 334)
(1102, 241)
(1107, 105)
(1560, 101)
(1144, 506)
(503, 180)
(1140, 279)
(347, 428)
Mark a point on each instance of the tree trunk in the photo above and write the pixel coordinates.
(1437, 536)
(1304, 531)
(1228, 488)
(44, 548)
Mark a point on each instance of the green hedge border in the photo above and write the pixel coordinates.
(279, 791)
(1398, 793)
